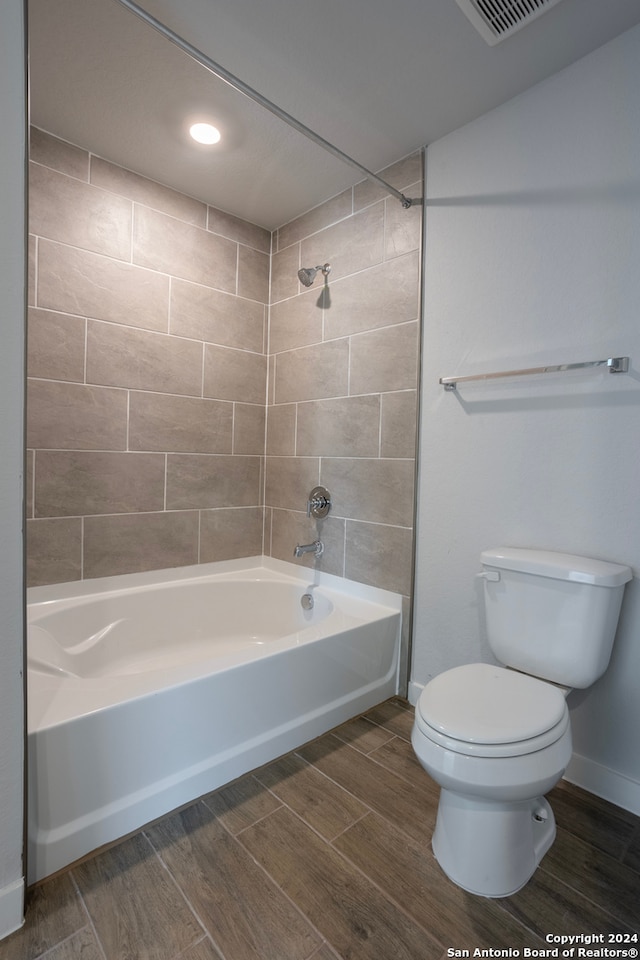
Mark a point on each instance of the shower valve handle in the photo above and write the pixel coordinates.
(319, 503)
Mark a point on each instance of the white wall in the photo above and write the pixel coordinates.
(533, 257)
(12, 300)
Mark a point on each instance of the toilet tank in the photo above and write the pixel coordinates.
(552, 615)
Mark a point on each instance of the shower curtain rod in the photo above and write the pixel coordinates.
(248, 91)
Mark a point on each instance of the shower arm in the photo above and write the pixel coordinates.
(252, 94)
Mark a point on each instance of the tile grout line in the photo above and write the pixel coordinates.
(196, 943)
(341, 855)
(254, 822)
(334, 782)
(206, 933)
(389, 825)
(325, 945)
(87, 913)
(341, 833)
(49, 952)
(383, 892)
(634, 838)
(237, 838)
(359, 799)
(575, 889)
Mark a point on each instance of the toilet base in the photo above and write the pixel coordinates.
(491, 848)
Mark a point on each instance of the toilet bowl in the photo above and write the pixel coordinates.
(495, 741)
(496, 738)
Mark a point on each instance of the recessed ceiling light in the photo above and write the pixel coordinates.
(204, 132)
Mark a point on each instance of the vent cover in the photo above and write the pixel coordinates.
(495, 20)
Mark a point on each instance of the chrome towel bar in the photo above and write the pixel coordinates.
(614, 364)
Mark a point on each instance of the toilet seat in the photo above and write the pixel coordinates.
(482, 710)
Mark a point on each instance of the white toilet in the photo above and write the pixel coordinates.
(496, 739)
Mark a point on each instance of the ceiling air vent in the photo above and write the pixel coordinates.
(495, 20)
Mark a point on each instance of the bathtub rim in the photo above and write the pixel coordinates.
(275, 569)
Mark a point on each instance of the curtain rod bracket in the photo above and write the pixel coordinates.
(411, 201)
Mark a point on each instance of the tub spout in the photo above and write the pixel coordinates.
(317, 548)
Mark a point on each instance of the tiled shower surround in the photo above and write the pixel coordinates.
(186, 392)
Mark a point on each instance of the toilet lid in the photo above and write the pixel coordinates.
(486, 705)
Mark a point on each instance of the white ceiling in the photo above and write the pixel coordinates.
(376, 78)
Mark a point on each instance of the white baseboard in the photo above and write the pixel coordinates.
(11, 907)
(413, 692)
(604, 783)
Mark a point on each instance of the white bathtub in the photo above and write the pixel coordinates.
(149, 690)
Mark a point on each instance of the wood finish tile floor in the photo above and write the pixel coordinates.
(326, 854)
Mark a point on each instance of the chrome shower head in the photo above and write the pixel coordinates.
(306, 275)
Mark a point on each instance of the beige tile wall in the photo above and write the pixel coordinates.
(343, 382)
(151, 394)
(147, 373)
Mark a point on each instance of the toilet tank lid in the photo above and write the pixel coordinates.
(559, 566)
